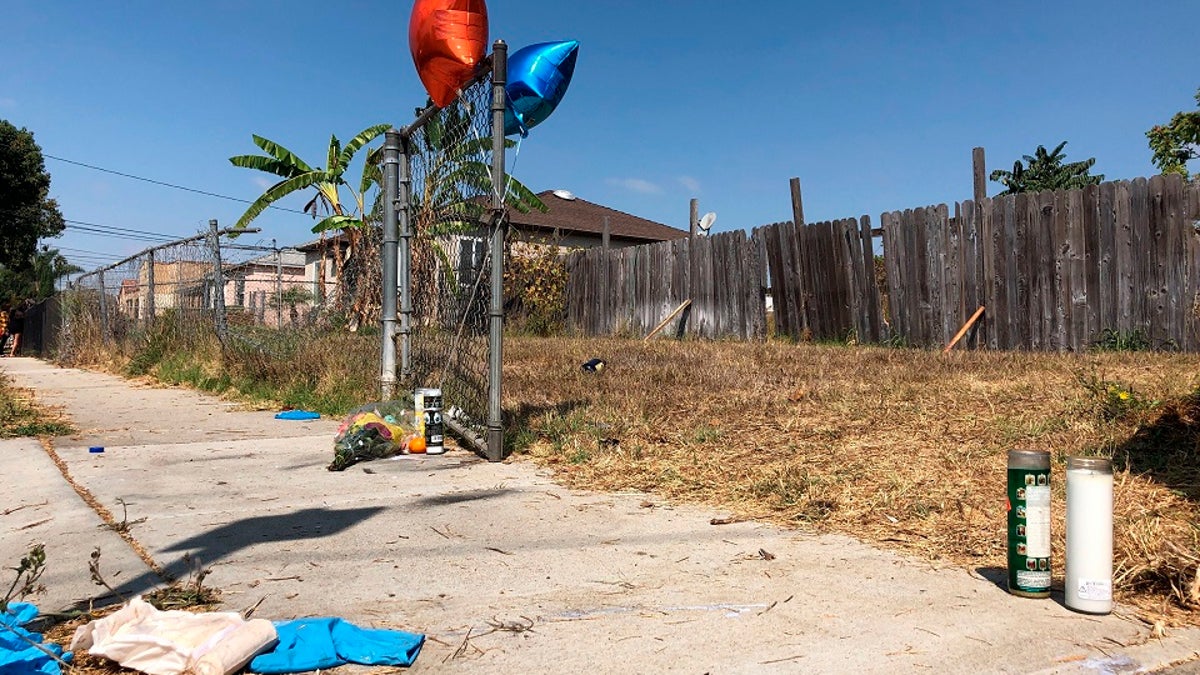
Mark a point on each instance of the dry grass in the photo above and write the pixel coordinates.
(903, 448)
(21, 415)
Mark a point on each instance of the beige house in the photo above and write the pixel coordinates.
(174, 284)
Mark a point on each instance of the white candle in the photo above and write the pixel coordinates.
(1089, 534)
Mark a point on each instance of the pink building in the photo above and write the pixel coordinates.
(269, 290)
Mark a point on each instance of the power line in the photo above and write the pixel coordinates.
(165, 184)
(89, 256)
(85, 250)
(162, 235)
(118, 235)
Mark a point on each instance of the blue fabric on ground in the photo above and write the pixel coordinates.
(297, 415)
(311, 644)
(17, 656)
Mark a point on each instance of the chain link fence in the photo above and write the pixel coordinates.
(442, 240)
(205, 285)
(442, 179)
(450, 160)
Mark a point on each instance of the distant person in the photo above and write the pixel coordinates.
(3, 330)
(16, 326)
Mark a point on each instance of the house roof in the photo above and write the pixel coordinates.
(329, 240)
(572, 214)
(567, 213)
(288, 258)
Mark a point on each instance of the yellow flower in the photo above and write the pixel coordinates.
(1124, 396)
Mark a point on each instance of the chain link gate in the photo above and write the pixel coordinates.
(443, 257)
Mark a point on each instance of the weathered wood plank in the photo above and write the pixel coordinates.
(789, 246)
(919, 293)
(901, 309)
(978, 267)
(852, 249)
(1077, 261)
(935, 233)
(1062, 289)
(683, 272)
(919, 290)
(849, 284)
(1106, 218)
(1156, 276)
(1176, 272)
(1043, 279)
(737, 291)
(1174, 245)
(756, 313)
(912, 286)
(824, 280)
(1192, 266)
(815, 280)
(1123, 238)
(952, 307)
(1026, 207)
(1005, 210)
(1141, 252)
(989, 329)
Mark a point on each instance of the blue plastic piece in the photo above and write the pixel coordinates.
(317, 644)
(297, 415)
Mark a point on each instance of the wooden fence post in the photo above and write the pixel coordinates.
(979, 173)
(797, 203)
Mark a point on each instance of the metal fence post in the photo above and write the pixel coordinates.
(103, 309)
(495, 440)
(404, 213)
(387, 341)
(278, 285)
(218, 282)
(150, 288)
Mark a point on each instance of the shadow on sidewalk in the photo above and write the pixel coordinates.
(215, 545)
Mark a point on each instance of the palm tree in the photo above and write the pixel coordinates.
(37, 281)
(1046, 171)
(49, 265)
(327, 203)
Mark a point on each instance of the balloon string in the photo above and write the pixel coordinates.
(508, 175)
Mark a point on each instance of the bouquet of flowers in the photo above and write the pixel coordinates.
(375, 431)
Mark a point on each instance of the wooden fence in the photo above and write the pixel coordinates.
(823, 279)
(1055, 271)
(630, 290)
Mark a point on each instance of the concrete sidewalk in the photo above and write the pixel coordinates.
(505, 570)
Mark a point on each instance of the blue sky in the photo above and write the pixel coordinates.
(875, 106)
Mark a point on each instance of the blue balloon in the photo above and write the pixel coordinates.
(538, 76)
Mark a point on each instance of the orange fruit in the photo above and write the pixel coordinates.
(416, 444)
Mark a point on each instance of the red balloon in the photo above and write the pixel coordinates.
(448, 39)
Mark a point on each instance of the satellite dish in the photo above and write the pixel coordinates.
(706, 222)
(565, 194)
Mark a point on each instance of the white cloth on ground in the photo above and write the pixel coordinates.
(141, 637)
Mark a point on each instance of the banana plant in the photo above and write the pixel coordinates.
(296, 175)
